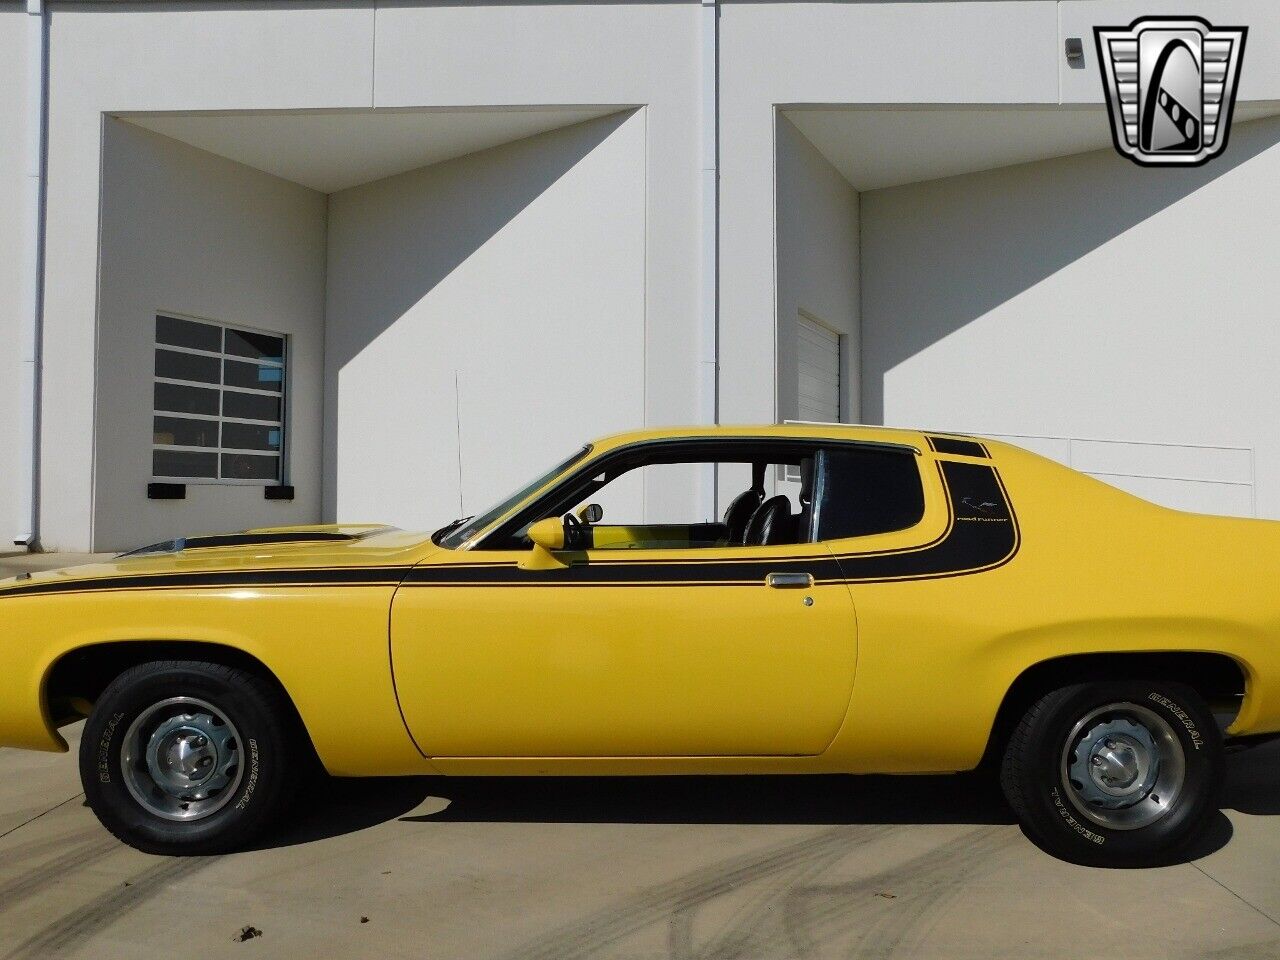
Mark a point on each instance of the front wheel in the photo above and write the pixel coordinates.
(1115, 774)
(186, 757)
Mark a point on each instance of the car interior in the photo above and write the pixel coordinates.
(823, 492)
(751, 518)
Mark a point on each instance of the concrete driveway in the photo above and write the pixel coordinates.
(925, 867)
(685, 868)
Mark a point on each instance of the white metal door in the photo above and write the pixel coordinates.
(818, 371)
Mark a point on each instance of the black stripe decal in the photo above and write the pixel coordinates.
(320, 576)
(255, 539)
(982, 534)
(956, 447)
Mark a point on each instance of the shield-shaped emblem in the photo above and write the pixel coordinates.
(1170, 85)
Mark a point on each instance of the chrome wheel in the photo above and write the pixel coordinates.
(181, 759)
(1123, 766)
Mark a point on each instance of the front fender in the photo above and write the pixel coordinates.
(328, 648)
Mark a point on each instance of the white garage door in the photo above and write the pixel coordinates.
(818, 360)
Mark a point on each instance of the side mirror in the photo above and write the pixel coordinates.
(591, 513)
(548, 534)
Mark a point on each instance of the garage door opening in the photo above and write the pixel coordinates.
(818, 361)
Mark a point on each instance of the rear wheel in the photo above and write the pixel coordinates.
(187, 757)
(1119, 774)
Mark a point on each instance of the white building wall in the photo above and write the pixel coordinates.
(817, 243)
(189, 233)
(1088, 299)
(486, 315)
(645, 56)
(110, 57)
(14, 253)
(778, 54)
(537, 54)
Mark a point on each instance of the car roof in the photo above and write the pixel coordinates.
(792, 429)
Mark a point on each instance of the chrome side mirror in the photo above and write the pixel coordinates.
(591, 513)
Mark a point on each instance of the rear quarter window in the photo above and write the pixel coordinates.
(865, 491)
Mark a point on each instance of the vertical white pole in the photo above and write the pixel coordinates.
(27, 503)
(709, 332)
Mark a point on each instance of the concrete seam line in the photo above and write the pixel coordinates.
(1256, 909)
(50, 810)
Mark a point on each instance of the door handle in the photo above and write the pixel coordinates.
(783, 581)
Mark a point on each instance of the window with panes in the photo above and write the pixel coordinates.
(219, 403)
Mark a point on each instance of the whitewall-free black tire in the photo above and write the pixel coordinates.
(189, 757)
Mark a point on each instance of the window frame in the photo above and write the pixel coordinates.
(564, 489)
(221, 388)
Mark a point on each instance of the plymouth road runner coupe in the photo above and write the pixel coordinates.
(871, 600)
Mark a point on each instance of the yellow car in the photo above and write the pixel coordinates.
(871, 601)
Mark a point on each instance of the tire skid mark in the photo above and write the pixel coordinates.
(737, 932)
(75, 928)
(785, 909)
(1238, 951)
(659, 904)
(805, 918)
(51, 872)
(32, 849)
(851, 915)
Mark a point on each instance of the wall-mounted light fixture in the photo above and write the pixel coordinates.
(1075, 51)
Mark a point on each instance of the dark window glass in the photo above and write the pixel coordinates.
(187, 366)
(253, 376)
(184, 463)
(258, 346)
(250, 406)
(179, 399)
(181, 432)
(245, 466)
(250, 436)
(236, 376)
(188, 333)
(865, 491)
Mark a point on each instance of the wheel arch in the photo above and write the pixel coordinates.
(1220, 678)
(76, 678)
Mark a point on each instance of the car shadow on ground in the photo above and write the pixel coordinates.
(348, 805)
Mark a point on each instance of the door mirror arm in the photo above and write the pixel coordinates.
(552, 540)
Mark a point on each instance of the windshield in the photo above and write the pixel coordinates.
(457, 537)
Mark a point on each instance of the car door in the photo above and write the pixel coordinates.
(734, 651)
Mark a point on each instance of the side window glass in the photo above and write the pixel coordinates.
(864, 491)
(643, 498)
(648, 507)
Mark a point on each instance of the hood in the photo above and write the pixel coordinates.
(265, 555)
(331, 533)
